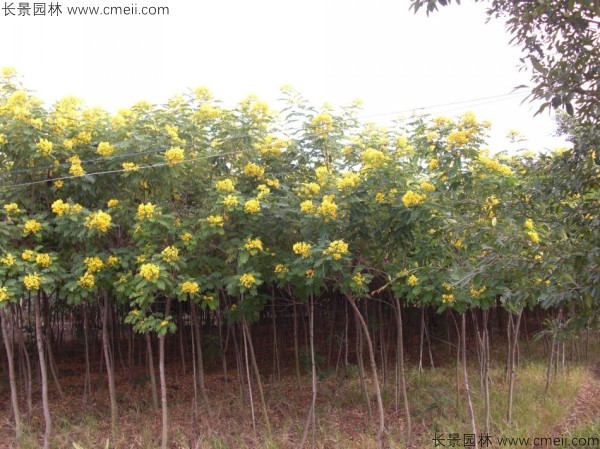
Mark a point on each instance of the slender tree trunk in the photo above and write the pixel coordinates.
(87, 383)
(400, 374)
(361, 366)
(181, 336)
(276, 364)
(310, 418)
(163, 383)
(197, 325)
(466, 378)
(25, 353)
(511, 373)
(365, 328)
(150, 364)
(296, 351)
(9, 345)
(43, 372)
(247, 363)
(114, 411)
(421, 341)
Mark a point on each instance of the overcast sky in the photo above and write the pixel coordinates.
(329, 50)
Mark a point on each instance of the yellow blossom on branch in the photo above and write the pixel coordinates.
(281, 268)
(170, 254)
(411, 198)
(28, 255)
(98, 220)
(302, 249)
(174, 155)
(43, 260)
(112, 203)
(247, 280)
(252, 206)
(44, 147)
(31, 227)
(337, 249)
(215, 220)
(33, 281)
(413, 280)
(225, 185)
(105, 149)
(3, 294)
(145, 211)
(59, 207)
(93, 264)
(8, 260)
(253, 246)
(150, 271)
(12, 208)
(359, 278)
(87, 280)
(253, 170)
(130, 166)
(190, 287)
(307, 207)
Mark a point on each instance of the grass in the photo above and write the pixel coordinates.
(342, 416)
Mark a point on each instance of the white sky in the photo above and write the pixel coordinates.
(329, 50)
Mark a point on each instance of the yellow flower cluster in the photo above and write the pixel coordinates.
(3, 140)
(433, 164)
(247, 280)
(3, 294)
(130, 166)
(359, 279)
(273, 145)
(380, 197)
(476, 293)
(59, 183)
(31, 227)
(309, 273)
(8, 260)
(372, 158)
(323, 123)
(349, 180)
(322, 174)
(337, 249)
(93, 264)
(112, 203)
(12, 208)
(28, 255)
(490, 203)
(494, 165)
(302, 249)
(528, 224)
(190, 287)
(459, 138)
(149, 271)
(215, 220)
(207, 112)
(310, 189)
(273, 183)
(145, 211)
(263, 191)
(174, 155)
(170, 254)
(230, 201)
(307, 207)
(43, 260)
(253, 246)
(76, 168)
(98, 220)
(411, 198)
(105, 149)
(59, 207)
(281, 268)
(186, 237)
(535, 238)
(413, 280)
(447, 297)
(44, 147)
(253, 170)
(427, 186)
(252, 206)
(33, 281)
(328, 208)
(225, 185)
(87, 280)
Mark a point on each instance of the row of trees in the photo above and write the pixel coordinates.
(192, 206)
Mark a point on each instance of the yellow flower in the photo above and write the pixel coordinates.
(28, 255)
(170, 254)
(411, 198)
(186, 237)
(372, 158)
(98, 220)
(447, 297)
(281, 268)
(43, 260)
(141, 258)
(433, 164)
(254, 171)
(75, 208)
(135, 312)
(309, 273)
(84, 137)
(458, 138)
(431, 136)
(273, 183)
(528, 224)
(105, 149)
(230, 201)
(7, 72)
(476, 293)
(307, 207)
(427, 186)
(190, 287)
(112, 203)
(323, 123)
(328, 209)
(302, 249)
(130, 166)
(33, 281)
(494, 165)
(93, 264)
(149, 271)
(247, 280)
(413, 280)
(252, 206)
(535, 238)
(349, 180)
(225, 185)
(321, 173)
(112, 261)
(311, 189)
(174, 155)
(164, 323)
(358, 278)
(59, 183)
(380, 197)
(263, 191)
(145, 211)
(538, 257)
(87, 280)
(12, 208)
(3, 294)
(8, 260)
(76, 169)
(44, 147)
(337, 249)
(59, 207)
(253, 246)
(215, 220)
(31, 227)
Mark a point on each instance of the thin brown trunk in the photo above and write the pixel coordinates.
(87, 384)
(43, 371)
(114, 411)
(466, 378)
(310, 418)
(150, 364)
(9, 345)
(163, 382)
(511, 373)
(400, 374)
(197, 325)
